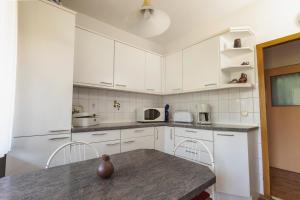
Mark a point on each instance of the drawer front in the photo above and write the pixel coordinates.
(137, 143)
(97, 136)
(137, 132)
(200, 154)
(109, 147)
(194, 133)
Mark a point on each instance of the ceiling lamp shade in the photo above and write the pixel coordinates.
(148, 21)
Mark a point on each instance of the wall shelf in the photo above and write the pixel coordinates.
(237, 51)
(236, 85)
(236, 68)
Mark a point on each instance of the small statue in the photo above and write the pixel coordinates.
(237, 43)
(242, 79)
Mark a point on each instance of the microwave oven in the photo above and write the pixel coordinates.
(150, 115)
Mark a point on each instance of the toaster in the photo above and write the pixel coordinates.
(183, 117)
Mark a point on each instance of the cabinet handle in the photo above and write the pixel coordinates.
(191, 152)
(189, 131)
(128, 142)
(59, 131)
(192, 141)
(105, 83)
(121, 85)
(228, 135)
(99, 134)
(210, 84)
(156, 133)
(176, 89)
(151, 90)
(59, 138)
(171, 134)
(113, 144)
(138, 131)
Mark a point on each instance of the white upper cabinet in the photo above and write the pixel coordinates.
(201, 65)
(45, 69)
(153, 73)
(94, 59)
(129, 68)
(173, 73)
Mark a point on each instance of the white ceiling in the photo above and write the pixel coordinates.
(185, 14)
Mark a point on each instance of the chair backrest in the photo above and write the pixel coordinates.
(72, 152)
(195, 151)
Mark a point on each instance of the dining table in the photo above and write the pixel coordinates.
(143, 174)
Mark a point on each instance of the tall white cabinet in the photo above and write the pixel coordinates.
(45, 69)
(94, 59)
(153, 71)
(201, 65)
(173, 73)
(129, 67)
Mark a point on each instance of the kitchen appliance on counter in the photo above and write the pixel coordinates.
(84, 119)
(183, 117)
(150, 115)
(204, 114)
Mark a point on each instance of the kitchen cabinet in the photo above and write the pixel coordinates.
(201, 65)
(94, 59)
(129, 68)
(138, 138)
(45, 69)
(232, 163)
(153, 73)
(173, 73)
(164, 139)
(36, 150)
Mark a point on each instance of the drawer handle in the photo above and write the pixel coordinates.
(105, 83)
(150, 89)
(228, 135)
(128, 142)
(177, 89)
(59, 131)
(99, 134)
(138, 131)
(113, 144)
(189, 131)
(188, 151)
(192, 141)
(121, 85)
(210, 84)
(59, 138)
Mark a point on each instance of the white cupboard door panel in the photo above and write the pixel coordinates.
(169, 140)
(159, 138)
(201, 65)
(137, 132)
(129, 68)
(94, 59)
(153, 73)
(137, 143)
(37, 149)
(45, 69)
(173, 73)
(232, 164)
(97, 136)
(108, 147)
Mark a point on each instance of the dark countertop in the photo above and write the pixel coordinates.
(139, 174)
(116, 126)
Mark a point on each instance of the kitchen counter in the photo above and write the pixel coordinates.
(140, 174)
(117, 126)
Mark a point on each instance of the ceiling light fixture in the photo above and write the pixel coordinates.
(148, 21)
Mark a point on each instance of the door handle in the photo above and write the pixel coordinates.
(171, 134)
(156, 130)
(59, 138)
(138, 131)
(210, 84)
(128, 142)
(189, 131)
(227, 135)
(99, 134)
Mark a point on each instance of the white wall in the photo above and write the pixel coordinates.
(270, 19)
(117, 34)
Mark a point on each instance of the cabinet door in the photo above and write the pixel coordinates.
(173, 73)
(159, 138)
(129, 68)
(45, 69)
(169, 140)
(108, 147)
(94, 59)
(36, 150)
(231, 163)
(201, 65)
(137, 143)
(153, 73)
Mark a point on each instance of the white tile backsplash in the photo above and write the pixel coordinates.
(100, 102)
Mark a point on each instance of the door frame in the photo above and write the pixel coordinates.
(263, 108)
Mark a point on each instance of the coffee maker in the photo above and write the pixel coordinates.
(204, 115)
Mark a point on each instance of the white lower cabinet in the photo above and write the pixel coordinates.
(131, 144)
(232, 161)
(108, 147)
(164, 139)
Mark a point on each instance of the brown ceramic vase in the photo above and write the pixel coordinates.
(106, 168)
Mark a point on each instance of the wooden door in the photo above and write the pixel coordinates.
(283, 125)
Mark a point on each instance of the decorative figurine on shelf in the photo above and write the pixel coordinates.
(106, 168)
(167, 112)
(245, 63)
(242, 79)
(237, 43)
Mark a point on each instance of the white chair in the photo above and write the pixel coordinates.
(198, 152)
(72, 152)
